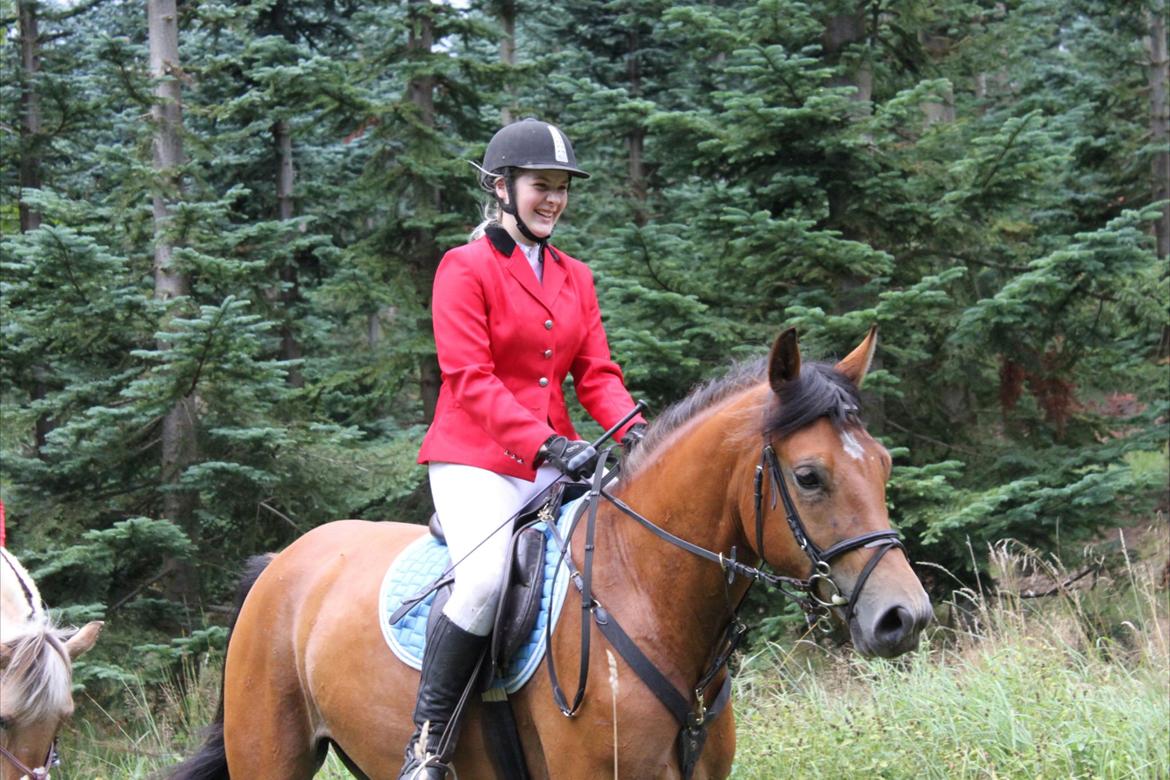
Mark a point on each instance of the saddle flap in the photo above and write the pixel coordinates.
(409, 596)
(520, 599)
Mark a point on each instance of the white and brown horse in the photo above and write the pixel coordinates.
(36, 674)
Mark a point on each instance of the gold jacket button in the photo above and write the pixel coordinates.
(548, 324)
(544, 381)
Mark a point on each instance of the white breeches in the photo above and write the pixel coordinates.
(473, 506)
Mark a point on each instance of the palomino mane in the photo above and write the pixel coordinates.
(37, 680)
(819, 391)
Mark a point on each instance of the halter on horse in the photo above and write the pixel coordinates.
(36, 691)
(307, 668)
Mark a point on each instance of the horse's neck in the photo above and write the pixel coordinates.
(662, 593)
(20, 602)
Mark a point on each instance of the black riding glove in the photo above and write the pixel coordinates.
(633, 437)
(575, 459)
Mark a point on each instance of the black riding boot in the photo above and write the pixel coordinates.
(448, 662)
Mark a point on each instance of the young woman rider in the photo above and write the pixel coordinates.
(512, 317)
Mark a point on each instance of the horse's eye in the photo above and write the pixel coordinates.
(808, 479)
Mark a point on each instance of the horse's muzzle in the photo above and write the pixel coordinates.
(891, 629)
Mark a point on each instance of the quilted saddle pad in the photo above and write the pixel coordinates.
(425, 559)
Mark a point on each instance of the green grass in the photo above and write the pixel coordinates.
(1021, 708)
(1076, 685)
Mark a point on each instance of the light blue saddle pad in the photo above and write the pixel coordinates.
(424, 560)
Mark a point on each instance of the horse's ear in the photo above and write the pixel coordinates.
(784, 361)
(856, 363)
(84, 639)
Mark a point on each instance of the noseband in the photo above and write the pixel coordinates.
(808, 592)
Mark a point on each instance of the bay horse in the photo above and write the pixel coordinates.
(36, 674)
(307, 667)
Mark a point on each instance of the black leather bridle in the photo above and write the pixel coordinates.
(819, 593)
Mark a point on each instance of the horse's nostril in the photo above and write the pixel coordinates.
(893, 624)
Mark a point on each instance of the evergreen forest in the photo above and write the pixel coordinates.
(221, 221)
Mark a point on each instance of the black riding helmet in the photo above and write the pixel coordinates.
(528, 145)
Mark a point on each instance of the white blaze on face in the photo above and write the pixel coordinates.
(852, 447)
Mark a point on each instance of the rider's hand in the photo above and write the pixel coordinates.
(633, 437)
(574, 458)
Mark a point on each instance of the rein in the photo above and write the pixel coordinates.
(692, 712)
(41, 772)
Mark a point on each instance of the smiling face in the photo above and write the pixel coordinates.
(541, 198)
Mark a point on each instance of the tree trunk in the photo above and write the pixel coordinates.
(180, 423)
(507, 13)
(841, 30)
(30, 110)
(30, 169)
(290, 348)
(1159, 75)
(421, 92)
(938, 47)
(636, 138)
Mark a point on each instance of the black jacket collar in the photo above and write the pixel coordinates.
(500, 239)
(505, 244)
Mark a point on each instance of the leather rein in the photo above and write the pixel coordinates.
(817, 595)
(41, 772)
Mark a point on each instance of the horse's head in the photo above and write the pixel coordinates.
(827, 483)
(36, 677)
(36, 696)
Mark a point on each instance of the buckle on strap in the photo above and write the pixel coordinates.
(698, 716)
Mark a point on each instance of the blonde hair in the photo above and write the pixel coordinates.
(491, 216)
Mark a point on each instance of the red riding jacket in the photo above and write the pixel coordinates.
(506, 343)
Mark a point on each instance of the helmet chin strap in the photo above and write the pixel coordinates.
(509, 207)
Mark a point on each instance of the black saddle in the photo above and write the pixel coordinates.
(523, 578)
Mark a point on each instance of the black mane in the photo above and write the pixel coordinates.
(819, 391)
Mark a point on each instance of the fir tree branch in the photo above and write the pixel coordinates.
(293, 523)
(1011, 141)
(206, 351)
(948, 446)
(796, 99)
(662, 283)
(166, 570)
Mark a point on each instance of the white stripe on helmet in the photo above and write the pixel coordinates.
(558, 144)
